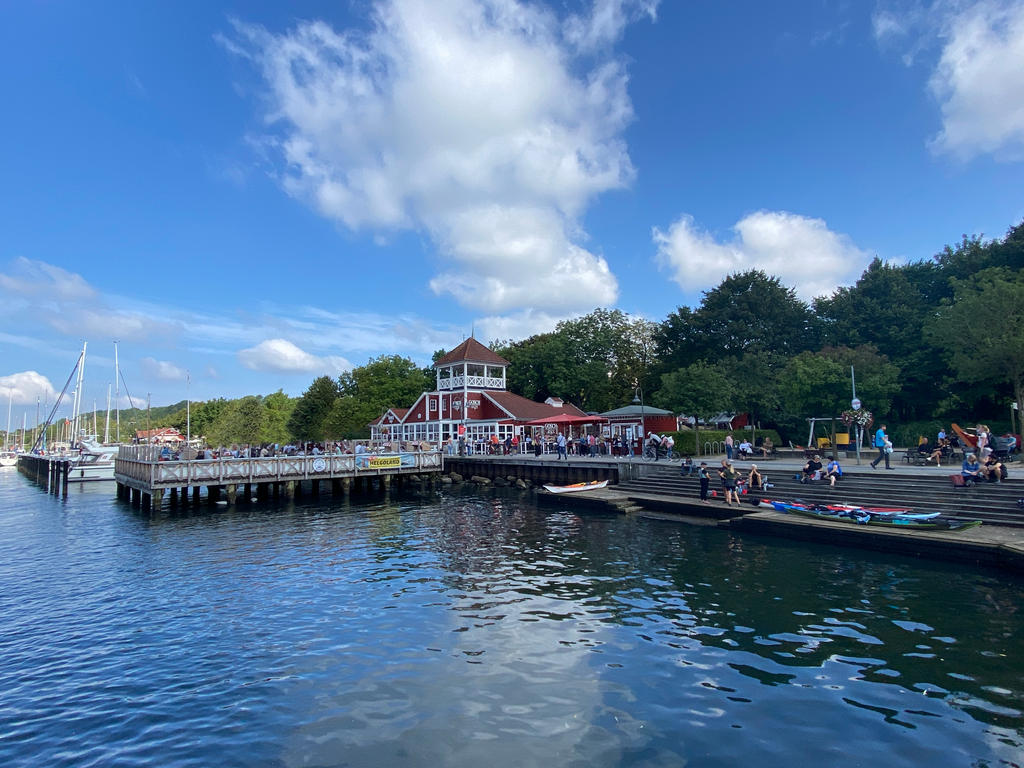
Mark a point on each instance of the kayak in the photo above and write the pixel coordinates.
(575, 487)
(850, 510)
(862, 516)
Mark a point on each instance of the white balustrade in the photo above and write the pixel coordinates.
(142, 464)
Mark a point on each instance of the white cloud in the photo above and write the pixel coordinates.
(802, 252)
(162, 370)
(282, 356)
(449, 116)
(606, 22)
(979, 82)
(37, 278)
(517, 325)
(23, 388)
(978, 75)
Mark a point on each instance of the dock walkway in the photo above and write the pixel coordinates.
(143, 478)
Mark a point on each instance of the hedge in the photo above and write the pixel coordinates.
(685, 441)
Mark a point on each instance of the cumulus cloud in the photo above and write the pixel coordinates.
(979, 82)
(67, 303)
(452, 116)
(282, 356)
(29, 278)
(162, 370)
(23, 388)
(518, 325)
(978, 77)
(801, 251)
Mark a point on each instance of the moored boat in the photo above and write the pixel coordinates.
(576, 487)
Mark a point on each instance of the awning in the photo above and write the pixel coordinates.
(566, 419)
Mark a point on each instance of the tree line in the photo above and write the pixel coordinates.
(930, 342)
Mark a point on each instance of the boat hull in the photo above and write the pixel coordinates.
(576, 487)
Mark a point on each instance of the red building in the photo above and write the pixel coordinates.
(470, 394)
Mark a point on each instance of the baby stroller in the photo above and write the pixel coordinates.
(1004, 447)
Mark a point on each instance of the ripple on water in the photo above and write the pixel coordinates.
(459, 630)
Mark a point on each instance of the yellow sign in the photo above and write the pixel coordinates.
(385, 462)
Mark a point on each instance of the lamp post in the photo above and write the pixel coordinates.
(638, 397)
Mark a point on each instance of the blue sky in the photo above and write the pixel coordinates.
(251, 194)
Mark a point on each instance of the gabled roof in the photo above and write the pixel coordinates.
(399, 413)
(161, 432)
(636, 410)
(471, 351)
(520, 408)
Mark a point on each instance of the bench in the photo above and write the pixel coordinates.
(915, 458)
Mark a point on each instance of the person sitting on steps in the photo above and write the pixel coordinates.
(833, 471)
(812, 470)
(971, 470)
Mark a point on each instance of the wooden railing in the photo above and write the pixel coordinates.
(141, 463)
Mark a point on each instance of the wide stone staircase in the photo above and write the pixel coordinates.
(993, 503)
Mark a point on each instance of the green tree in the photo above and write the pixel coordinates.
(746, 312)
(240, 422)
(594, 361)
(388, 381)
(887, 309)
(982, 331)
(308, 420)
(701, 390)
(278, 408)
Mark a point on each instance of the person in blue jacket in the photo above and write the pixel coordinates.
(884, 447)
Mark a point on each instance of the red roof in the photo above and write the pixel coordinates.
(527, 410)
(145, 434)
(398, 412)
(471, 351)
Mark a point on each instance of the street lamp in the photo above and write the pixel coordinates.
(638, 397)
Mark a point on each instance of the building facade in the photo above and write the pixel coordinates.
(470, 399)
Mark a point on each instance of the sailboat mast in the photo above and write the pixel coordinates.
(106, 424)
(79, 395)
(117, 390)
(7, 434)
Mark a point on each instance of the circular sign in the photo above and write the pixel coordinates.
(319, 465)
(855, 404)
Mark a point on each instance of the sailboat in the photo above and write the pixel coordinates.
(94, 461)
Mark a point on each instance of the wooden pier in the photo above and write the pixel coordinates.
(144, 480)
(49, 472)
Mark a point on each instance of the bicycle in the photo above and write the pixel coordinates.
(653, 453)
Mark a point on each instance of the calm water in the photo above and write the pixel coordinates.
(469, 631)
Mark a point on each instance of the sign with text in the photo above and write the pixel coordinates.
(385, 462)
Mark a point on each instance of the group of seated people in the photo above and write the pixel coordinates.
(746, 451)
(938, 451)
(990, 469)
(814, 470)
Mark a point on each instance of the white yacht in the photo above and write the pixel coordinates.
(95, 461)
(8, 459)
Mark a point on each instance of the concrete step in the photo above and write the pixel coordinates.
(992, 503)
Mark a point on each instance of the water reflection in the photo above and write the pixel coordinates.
(463, 629)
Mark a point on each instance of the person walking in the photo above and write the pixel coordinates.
(728, 447)
(705, 481)
(561, 447)
(884, 447)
